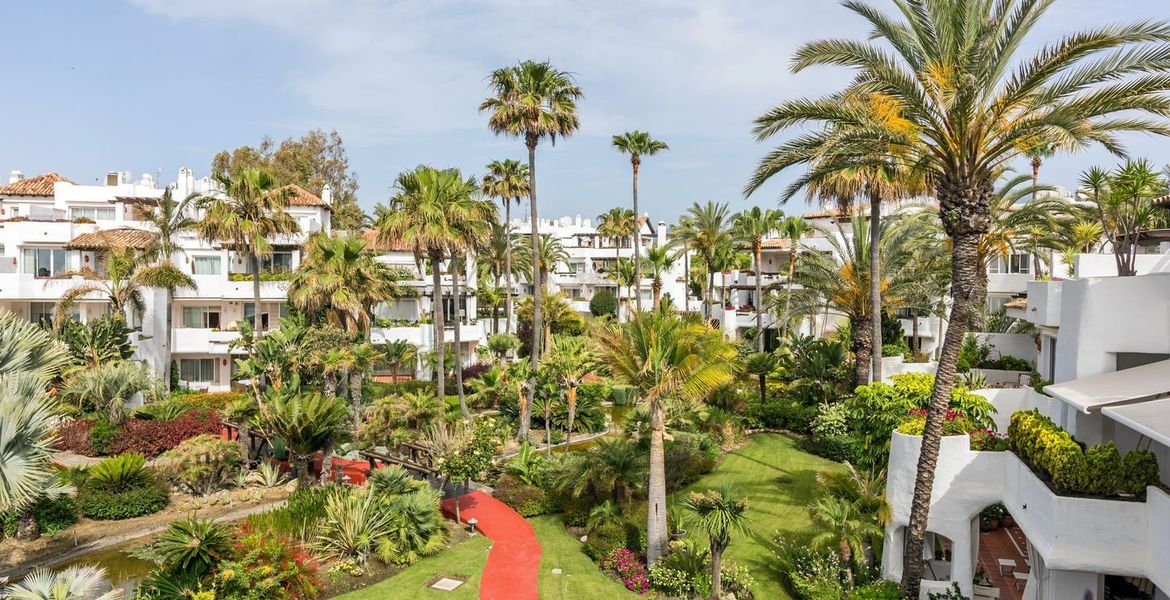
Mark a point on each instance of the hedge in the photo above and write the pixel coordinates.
(1098, 470)
(137, 502)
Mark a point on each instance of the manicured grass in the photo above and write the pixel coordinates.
(779, 480)
(580, 578)
(465, 560)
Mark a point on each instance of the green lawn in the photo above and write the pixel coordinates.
(580, 578)
(779, 480)
(465, 559)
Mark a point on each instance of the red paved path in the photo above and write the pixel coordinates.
(514, 560)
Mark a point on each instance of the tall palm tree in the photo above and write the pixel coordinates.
(247, 216)
(344, 280)
(719, 514)
(433, 211)
(703, 229)
(660, 259)
(569, 360)
(638, 144)
(664, 357)
(549, 252)
(533, 100)
(750, 227)
(952, 69)
(508, 181)
(397, 353)
(128, 273)
(171, 218)
(617, 224)
(794, 229)
(502, 257)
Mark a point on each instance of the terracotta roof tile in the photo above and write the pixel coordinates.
(776, 244)
(41, 185)
(299, 196)
(371, 237)
(112, 238)
(1017, 303)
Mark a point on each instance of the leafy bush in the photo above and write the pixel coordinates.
(73, 436)
(986, 440)
(201, 464)
(891, 350)
(671, 582)
(136, 502)
(623, 395)
(152, 438)
(263, 567)
(101, 435)
(777, 412)
(955, 422)
(624, 565)
(298, 518)
(162, 411)
(594, 391)
(831, 420)
(603, 303)
(688, 457)
(812, 574)
(1051, 451)
(1007, 363)
(524, 498)
(840, 448)
(209, 401)
(474, 371)
(52, 515)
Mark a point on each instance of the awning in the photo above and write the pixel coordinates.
(1091, 393)
(1151, 419)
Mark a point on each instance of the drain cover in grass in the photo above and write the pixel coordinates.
(446, 584)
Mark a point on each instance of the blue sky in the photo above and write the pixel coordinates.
(159, 84)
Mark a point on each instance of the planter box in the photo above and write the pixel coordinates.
(1002, 378)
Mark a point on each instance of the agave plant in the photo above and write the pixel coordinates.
(73, 583)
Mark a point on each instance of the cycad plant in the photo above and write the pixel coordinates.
(951, 73)
(305, 421)
(193, 545)
(664, 357)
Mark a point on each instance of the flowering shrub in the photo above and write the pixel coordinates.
(625, 565)
(264, 567)
(671, 582)
(955, 422)
(151, 438)
(211, 401)
(986, 440)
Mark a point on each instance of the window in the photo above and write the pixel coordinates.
(279, 261)
(205, 265)
(576, 267)
(197, 369)
(43, 262)
(200, 317)
(250, 315)
(41, 313)
(93, 214)
(1019, 262)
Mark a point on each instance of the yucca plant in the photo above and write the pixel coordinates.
(80, 582)
(266, 475)
(352, 526)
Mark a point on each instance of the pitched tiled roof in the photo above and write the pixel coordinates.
(112, 238)
(1017, 303)
(776, 244)
(299, 196)
(372, 243)
(41, 185)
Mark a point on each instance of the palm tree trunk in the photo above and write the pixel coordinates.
(329, 385)
(548, 428)
(437, 310)
(964, 271)
(304, 479)
(686, 280)
(847, 561)
(707, 302)
(861, 331)
(914, 334)
(458, 341)
(656, 510)
(507, 267)
(571, 400)
(637, 244)
(28, 529)
(617, 260)
(326, 461)
(657, 288)
(356, 377)
(716, 570)
(537, 324)
(875, 281)
(759, 308)
(978, 313)
(788, 286)
(256, 295)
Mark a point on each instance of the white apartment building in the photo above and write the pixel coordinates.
(1105, 342)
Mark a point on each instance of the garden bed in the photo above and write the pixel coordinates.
(88, 535)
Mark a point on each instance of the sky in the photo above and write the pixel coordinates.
(155, 85)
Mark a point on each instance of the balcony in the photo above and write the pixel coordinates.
(202, 341)
(1044, 303)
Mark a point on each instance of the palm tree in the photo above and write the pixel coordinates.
(27, 348)
(433, 211)
(660, 259)
(342, 279)
(616, 224)
(750, 227)
(171, 218)
(362, 362)
(624, 277)
(502, 257)
(793, 229)
(397, 353)
(128, 273)
(664, 358)
(638, 144)
(247, 216)
(508, 181)
(549, 252)
(703, 230)
(948, 71)
(1123, 202)
(569, 360)
(305, 421)
(718, 513)
(760, 364)
(613, 466)
(842, 525)
(79, 582)
(110, 387)
(533, 100)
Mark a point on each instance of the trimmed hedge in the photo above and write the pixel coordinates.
(1098, 470)
(111, 506)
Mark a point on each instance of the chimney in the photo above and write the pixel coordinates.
(327, 194)
(578, 220)
(15, 176)
(661, 233)
(112, 177)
